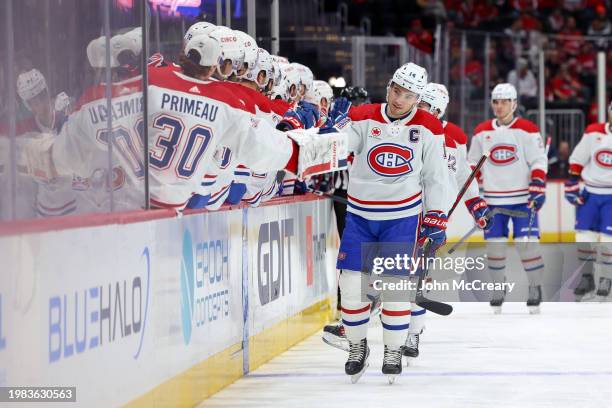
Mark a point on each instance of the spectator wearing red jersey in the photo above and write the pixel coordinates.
(586, 64)
(565, 87)
(420, 38)
(572, 45)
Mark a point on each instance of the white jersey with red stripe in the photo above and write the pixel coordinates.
(225, 169)
(517, 157)
(458, 166)
(189, 120)
(399, 169)
(592, 158)
(82, 149)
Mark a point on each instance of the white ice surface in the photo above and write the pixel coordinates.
(472, 358)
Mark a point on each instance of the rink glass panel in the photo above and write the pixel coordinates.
(99, 158)
(66, 101)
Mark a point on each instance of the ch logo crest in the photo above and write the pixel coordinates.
(503, 154)
(390, 159)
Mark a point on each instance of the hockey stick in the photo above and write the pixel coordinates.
(495, 211)
(443, 309)
(468, 181)
(433, 306)
(332, 197)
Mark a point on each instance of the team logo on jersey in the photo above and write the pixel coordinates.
(390, 159)
(503, 154)
(375, 131)
(603, 158)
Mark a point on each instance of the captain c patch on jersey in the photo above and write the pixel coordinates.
(390, 159)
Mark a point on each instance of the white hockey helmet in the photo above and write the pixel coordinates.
(278, 62)
(250, 49)
(231, 50)
(201, 27)
(290, 82)
(96, 54)
(130, 41)
(320, 90)
(436, 95)
(411, 76)
(263, 63)
(504, 91)
(207, 49)
(306, 77)
(30, 84)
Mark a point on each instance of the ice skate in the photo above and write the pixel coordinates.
(392, 363)
(333, 334)
(585, 287)
(358, 360)
(411, 348)
(497, 302)
(534, 300)
(603, 290)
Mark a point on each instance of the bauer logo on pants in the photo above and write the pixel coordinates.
(604, 158)
(390, 159)
(503, 154)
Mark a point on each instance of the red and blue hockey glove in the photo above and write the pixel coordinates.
(433, 227)
(304, 116)
(572, 191)
(480, 211)
(537, 194)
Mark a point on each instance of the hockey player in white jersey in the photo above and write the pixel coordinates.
(398, 173)
(54, 197)
(514, 177)
(82, 147)
(591, 162)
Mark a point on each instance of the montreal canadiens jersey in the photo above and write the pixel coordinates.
(399, 168)
(225, 168)
(188, 120)
(517, 156)
(592, 158)
(82, 149)
(458, 167)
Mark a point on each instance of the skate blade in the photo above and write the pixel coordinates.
(496, 309)
(586, 297)
(341, 345)
(391, 378)
(356, 377)
(534, 310)
(410, 361)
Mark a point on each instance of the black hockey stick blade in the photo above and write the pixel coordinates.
(442, 309)
(428, 304)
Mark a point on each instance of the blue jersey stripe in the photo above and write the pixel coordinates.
(416, 203)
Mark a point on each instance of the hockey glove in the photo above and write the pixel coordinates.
(572, 191)
(433, 227)
(480, 211)
(341, 107)
(304, 116)
(537, 194)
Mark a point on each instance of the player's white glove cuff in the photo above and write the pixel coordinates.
(35, 159)
(319, 153)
